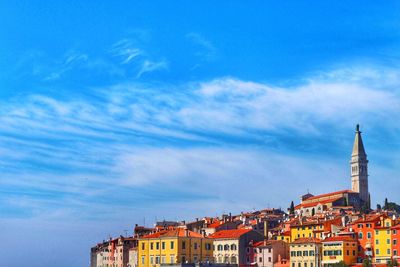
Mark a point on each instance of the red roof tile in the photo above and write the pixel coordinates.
(306, 240)
(339, 238)
(229, 234)
(174, 233)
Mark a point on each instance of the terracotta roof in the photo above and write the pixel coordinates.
(306, 240)
(368, 218)
(307, 205)
(174, 233)
(329, 194)
(339, 238)
(235, 233)
(214, 224)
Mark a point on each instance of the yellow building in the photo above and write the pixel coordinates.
(285, 236)
(383, 244)
(339, 248)
(174, 246)
(306, 252)
(312, 228)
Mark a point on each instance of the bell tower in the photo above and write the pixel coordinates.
(359, 167)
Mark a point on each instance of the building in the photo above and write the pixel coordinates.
(312, 228)
(306, 252)
(396, 242)
(268, 253)
(365, 230)
(357, 197)
(174, 247)
(231, 246)
(114, 252)
(339, 248)
(383, 240)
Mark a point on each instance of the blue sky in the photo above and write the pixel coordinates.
(124, 113)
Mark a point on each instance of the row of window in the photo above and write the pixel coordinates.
(387, 241)
(227, 247)
(377, 252)
(303, 265)
(304, 253)
(156, 245)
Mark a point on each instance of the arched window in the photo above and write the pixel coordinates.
(226, 259)
(220, 247)
(233, 247)
(233, 260)
(226, 247)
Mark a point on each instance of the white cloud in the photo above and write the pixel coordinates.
(207, 50)
(150, 66)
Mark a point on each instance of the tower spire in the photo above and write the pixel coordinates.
(359, 167)
(358, 146)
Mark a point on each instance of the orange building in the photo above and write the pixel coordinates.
(365, 230)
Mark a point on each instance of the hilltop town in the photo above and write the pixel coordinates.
(333, 229)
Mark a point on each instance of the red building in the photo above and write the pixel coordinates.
(365, 230)
(395, 236)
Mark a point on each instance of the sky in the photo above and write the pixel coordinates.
(126, 112)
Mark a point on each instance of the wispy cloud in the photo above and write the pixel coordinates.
(193, 138)
(207, 50)
(126, 50)
(150, 66)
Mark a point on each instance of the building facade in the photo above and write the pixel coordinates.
(306, 252)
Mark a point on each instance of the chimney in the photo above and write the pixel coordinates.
(186, 232)
(197, 219)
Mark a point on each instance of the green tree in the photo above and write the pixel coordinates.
(386, 205)
(378, 207)
(340, 264)
(366, 263)
(392, 263)
(291, 209)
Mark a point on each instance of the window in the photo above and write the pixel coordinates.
(183, 245)
(226, 247)
(260, 259)
(388, 251)
(299, 264)
(163, 245)
(394, 232)
(376, 232)
(163, 259)
(151, 245)
(293, 264)
(171, 244)
(388, 241)
(305, 264)
(172, 259)
(395, 252)
(376, 241)
(157, 260)
(269, 259)
(183, 259)
(157, 245)
(369, 235)
(394, 241)
(143, 260)
(219, 247)
(195, 245)
(298, 253)
(354, 252)
(151, 260)
(305, 253)
(195, 259)
(142, 246)
(311, 253)
(311, 264)
(360, 235)
(248, 259)
(377, 251)
(292, 254)
(233, 260)
(347, 252)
